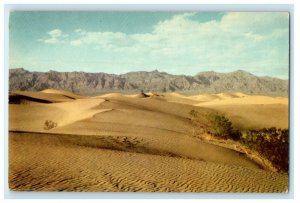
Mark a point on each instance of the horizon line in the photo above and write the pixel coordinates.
(154, 70)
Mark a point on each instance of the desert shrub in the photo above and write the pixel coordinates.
(235, 134)
(198, 122)
(193, 114)
(221, 126)
(271, 143)
(49, 124)
(214, 123)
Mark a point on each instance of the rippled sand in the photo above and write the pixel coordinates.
(124, 143)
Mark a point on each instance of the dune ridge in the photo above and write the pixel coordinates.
(65, 93)
(63, 113)
(97, 137)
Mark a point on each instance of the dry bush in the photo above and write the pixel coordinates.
(49, 124)
(271, 143)
(221, 126)
(214, 123)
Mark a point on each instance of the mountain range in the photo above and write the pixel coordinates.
(96, 83)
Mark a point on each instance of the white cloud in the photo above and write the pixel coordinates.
(54, 36)
(234, 42)
(76, 42)
(254, 37)
(260, 22)
(80, 31)
(102, 39)
(55, 33)
(51, 40)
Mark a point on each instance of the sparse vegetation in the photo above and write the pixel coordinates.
(221, 126)
(49, 124)
(198, 122)
(214, 123)
(271, 143)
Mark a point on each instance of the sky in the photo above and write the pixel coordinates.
(172, 42)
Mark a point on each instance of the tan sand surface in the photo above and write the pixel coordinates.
(252, 112)
(51, 97)
(130, 143)
(256, 116)
(245, 111)
(233, 100)
(54, 164)
(62, 92)
(32, 117)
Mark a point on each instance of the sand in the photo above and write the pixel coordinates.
(53, 164)
(32, 117)
(117, 142)
(251, 112)
(42, 96)
(64, 93)
(245, 111)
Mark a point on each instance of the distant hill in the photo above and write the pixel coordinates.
(95, 83)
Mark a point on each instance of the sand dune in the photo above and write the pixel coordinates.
(255, 116)
(252, 112)
(232, 94)
(65, 93)
(228, 100)
(141, 95)
(32, 117)
(117, 142)
(109, 95)
(178, 98)
(245, 111)
(47, 97)
(64, 166)
(206, 97)
(199, 99)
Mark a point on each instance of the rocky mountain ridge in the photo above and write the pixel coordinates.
(96, 83)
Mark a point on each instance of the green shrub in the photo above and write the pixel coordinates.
(271, 143)
(198, 122)
(221, 126)
(214, 123)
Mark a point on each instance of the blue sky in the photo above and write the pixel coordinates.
(177, 43)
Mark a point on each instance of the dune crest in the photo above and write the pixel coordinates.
(246, 99)
(63, 92)
(39, 96)
(117, 136)
(32, 117)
